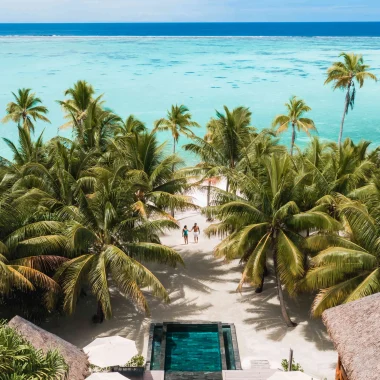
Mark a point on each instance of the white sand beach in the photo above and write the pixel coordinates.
(205, 289)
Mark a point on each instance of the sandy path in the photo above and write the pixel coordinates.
(205, 290)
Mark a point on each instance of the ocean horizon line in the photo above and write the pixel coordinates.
(195, 29)
(195, 22)
(121, 37)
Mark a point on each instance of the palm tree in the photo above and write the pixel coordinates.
(75, 107)
(99, 125)
(30, 249)
(15, 174)
(369, 195)
(265, 221)
(296, 109)
(335, 169)
(343, 75)
(25, 109)
(62, 178)
(149, 172)
(28, 151)
(214, 165)
(231, 131)
(350, 166)
(318, 152)
(201, 147)
(223, 146)
(107, 240)
(131, 125)
(327, 169)
(178, 122)
(27, 275)
(344, 270)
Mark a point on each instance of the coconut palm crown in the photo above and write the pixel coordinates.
(223, 146)
(80, 96)
(178, 122)
(26, 109)
(296, 109)
(130, 126)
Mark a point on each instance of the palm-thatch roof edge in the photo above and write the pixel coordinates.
(354, 328)
(75, 358)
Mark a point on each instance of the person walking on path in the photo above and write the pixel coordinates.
(196, 231)
(185, 234)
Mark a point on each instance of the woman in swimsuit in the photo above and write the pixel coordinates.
(185, 234)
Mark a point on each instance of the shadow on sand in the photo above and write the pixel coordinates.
(190, 289)
(127, 321)
(266, 315)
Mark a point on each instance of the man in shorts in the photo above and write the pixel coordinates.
(196, 230)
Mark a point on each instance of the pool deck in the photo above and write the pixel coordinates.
(205, 289)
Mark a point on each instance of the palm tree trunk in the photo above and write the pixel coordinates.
(24, 124)
(280, 293)
(209, 217)
(346, 103)
(99, 313)
(293, 139)
(260, 288)
(174, 143)
(208, 193)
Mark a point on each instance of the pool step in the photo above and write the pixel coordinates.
(252, 374)
(259, 364)
(171, 375)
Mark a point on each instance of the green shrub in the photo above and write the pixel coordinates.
(295, 366)
(136, 361)
(95, 368)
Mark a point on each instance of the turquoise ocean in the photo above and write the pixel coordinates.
(144, 76)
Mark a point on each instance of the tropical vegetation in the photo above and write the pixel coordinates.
(19, 360)
(83, 214)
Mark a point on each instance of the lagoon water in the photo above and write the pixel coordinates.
(145, 75)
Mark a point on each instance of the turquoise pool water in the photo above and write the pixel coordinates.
(192, 348)
(144, 76)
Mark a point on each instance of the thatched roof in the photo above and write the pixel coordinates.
(355, 331)
(75, 358)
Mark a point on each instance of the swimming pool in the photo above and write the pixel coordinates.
(193, 347)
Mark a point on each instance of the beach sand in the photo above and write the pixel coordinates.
(205, 289)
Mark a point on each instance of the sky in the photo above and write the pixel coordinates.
(187, 10)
